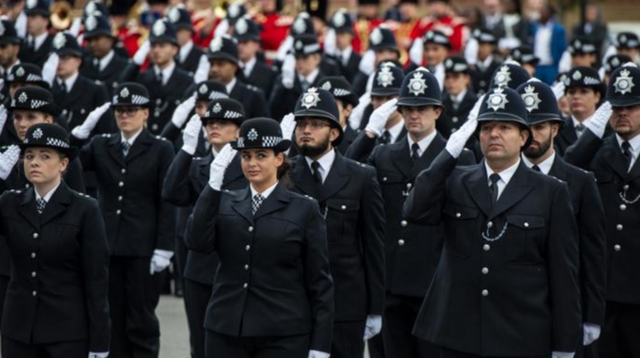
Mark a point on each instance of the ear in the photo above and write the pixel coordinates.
(64, 163)
(438, 111)
(555, 129)
(334, 134)
(48, 118)
(524, 136)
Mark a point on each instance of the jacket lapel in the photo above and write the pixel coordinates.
(615, 159)
(57, 205)
(402, 157)
(338, 177)
(115, 148)
(140, 145)
(558, 168)
(477, 186)
(569, 131)
(278, 199)
(242, 204)
(436, 146)
(204, 167)
(517, 188)
(28, 208)
(302, 178)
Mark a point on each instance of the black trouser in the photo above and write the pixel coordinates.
(224, 346)
(69, 349)
(399, 317)
(133, 297)
(348, 339)
(376, 345)
(621, 333)
(4, 283)
(449, 353)
(196, 298)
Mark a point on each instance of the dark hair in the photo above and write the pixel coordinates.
(283, 171)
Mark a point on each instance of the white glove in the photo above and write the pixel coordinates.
(565, 62)
(75, 27)
(471, 51)
(182, 111)
(317, 354)
(141, 54)
(190, 134)
(288, 125)
(330, 47)
(289, 71)
(599, 121)
(356, 115)
(50, 68)
(558, 90)
(283, 50)
(476, 108)
(372, 327)
(98, 355)
(219, 166)
(630, 64)
(3, 117)
(368, 62)
(84, 130)
(221, 29)
(202, 72)
(416, 52)
(590, 333)
(440, 74)
(601, 73)
(459, 138)
(21, 27)
(369, 86)
(161, 260)
(8, 160)
(380, 116)
(611, 50)
(562, 354)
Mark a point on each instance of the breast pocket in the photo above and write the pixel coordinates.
(524, 238)
(461, 229)
(341, 216)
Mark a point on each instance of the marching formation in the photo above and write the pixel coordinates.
(457, 185)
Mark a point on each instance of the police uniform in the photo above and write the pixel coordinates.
(260, 75)
(166, 93)
(412, 251)
(509, 75)
(614, 62)
(341, 90)
(138, 222)
(29, 53)
(348, 61)
(587, 207)
(483, 73)
(505, 265)
(456, 110)
(583, 45)
(190, 61)
(434, 37)
(524, 55)
(8, 36)
(279, 242)
(56, 304)
(352, 205)
(618, 179)
(186, 179)
(381, 38)
(627, 40)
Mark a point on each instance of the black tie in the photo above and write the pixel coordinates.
(386, 138)
(305, 85)
(626, 151)
(415, 151)
(536, 168)
(256, 202)
(125, 148)
(63, 87)
(493, 188)
(579, 129)
(160, 79)
(40, 204)
(316, 172)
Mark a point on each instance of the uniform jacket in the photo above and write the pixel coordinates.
(481, 79)
(484, 292)
(190, 64)
(130, 192)
(38, 57)
(274, 277)
(567, 136)
(348, 137)
(84, 97)
(352, 68)
(59, 269)
(110, 76)
(283, 100)
(262, 77)
(252, 99)
(452, 119)
(352, 205)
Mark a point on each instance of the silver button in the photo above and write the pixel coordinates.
(33, 274)
(626, 187)
(155, 126)
(120, 198)
(617, 247)
(118, 212)
(123, 171)
(247, 248)
(121, 184)
(619, 227)
(454, 119)
(246, 267)
(490, 224)
(35, 235)
(526, 224)
(26, 186)
(245, 285)
(344, 207)
(486, 247)
(250, 229)
(34, 293)
(403, 223)
(384, 179)
(409, 185)
(623, 207)
(485, 270)
(458, 215)
(485, 293)
(158, 101)
(401, 242)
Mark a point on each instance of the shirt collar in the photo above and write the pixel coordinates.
(577, 122)
(633, 142)
(185, 50)
(345, 55)
(326, 162)
(47, 197)
(230, 85)
(38, 41)
(8, 69)
(265, 194)
(396, 130)
(166, 72)
(69, 82)
(132, 139)
(423, 143)
(505, 175)
(311, 78)
(104, 62)
(457, 98)
(545, 166)
(248, 66)
(487, 62)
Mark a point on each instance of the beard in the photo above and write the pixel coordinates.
(314, 151)
(537, 153)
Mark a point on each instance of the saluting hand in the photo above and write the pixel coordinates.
(600, 119)
(380, 116)
(190, 134)
(288, 71)
(141, 55)
(558, 89)
(3, 117)
(459, 139)
(219, 166)
(288, 125)
(182, 111)
(355, 119)
(8, 160)
(84, 131)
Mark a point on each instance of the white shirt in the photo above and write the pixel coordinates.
(310, 78)
(38, 41)
(185, 50)
(325, 163)
(505, 176)
(542, 43)
(48, 196)
(635, 148)
(230, 85)
(166, 72)
(69, 82)
(457, 98)
(486, 63)
(132, 139)
(345, 55)
(265, 194)
(423, 143)
(545, 166)
(104, 62)
(395, 131)
(248, 67)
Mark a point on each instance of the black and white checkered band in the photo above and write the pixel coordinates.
(241, 142)
(341, 92)
(140, 100)
(36, 103)
(55, 142)
(232, 115)
(217, 95)
(590, 81)
(270, 141)
(34, 78)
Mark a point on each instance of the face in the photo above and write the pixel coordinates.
(455, 83)
(343, 40)
(345, 111)
(485, 50)
(314, 136)
(68, 66)
(223, 71)
(531, 69)
(36, 25)
(100, 46)
(582, 100)
(436, 54)
(631, 52)
(377, 101)
(260, 166)
(501, 141)
(8, 54)
(23, 120)
(162, 53)
(267, 6)
(220, 132)
(130, 119)
(492, 6)
(307, 64)
(438, 9)
(183, 36)
(626, 121)
(247, 50)
(408, 10)
(542, 143)
(201, 107)
(385, 55)
(420, 121)
(582, 59)
(44, 165)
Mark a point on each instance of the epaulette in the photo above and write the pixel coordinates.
(14, 191)
(162, 138)
(106, 135)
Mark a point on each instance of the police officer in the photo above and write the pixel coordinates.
(509, 75)
(526, 58)
(613, 159)
(628, 43)
(436, 48)
(165, 81)
(487, 62)
(351, 203)
(267, 237)
(348, 59)
(382, 48)
(131, 166)
(584, 91)
(510, 253)
(190, 57)
(38, 42)
(412, 251)
(346, 100)
(545, 123)
(613, 63)
(253, 71)
(583, 52)
(10, 45)
(185, 180)
(458, 98)
(57, 298)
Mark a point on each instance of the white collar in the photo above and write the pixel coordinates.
(247, 67)
(326, 162)
(505, 175)
(8, 69)
(104, 62)
(423, 143)
(396, 130)
(132, 139)
(487, 62)
(584, 123)
(345, 55)
(69, 82)
(47, 197)
(311, 78)
(457, 98)
(635, 146)
(185, 50)
(230, 85)
(265, 194)
(38, 41)
(545, 166)
(166, 72)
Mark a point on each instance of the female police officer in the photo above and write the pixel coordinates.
(273, 293)
(57, 297)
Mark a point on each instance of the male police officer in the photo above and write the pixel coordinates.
(510, 255)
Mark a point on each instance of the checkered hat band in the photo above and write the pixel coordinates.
(460, 67)
(241, 142)
(486, 38)
(633, 43)
(137, 99)
(232, 115)
(269, 141)
(36, 103)
(311, 48)
(217, 95)
(55, 142)
(341, 92)
(33, 78)
(590, 81)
